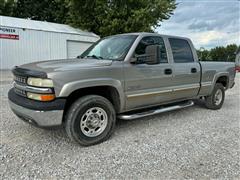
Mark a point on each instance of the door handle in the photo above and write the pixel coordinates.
(193, 70)
(168, 71)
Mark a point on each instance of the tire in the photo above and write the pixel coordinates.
(212, 102)
(90, 120)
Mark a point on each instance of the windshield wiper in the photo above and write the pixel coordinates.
(95, 57)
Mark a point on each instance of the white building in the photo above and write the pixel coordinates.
(24, 41)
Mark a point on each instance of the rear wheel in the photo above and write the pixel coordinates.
(90, 120)
(216, 99)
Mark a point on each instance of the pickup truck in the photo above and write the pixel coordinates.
(126, 76)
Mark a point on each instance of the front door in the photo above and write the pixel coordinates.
(148, 84)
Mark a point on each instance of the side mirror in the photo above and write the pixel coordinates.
(151, 56)
(139, 59)
(153, 53)
(133, 59)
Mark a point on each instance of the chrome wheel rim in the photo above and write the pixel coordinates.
(218, 97)
(94, 122)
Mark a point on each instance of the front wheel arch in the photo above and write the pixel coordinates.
(107, 92)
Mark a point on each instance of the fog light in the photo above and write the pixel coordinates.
(41, 97)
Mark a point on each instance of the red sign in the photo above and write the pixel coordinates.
(9, 36)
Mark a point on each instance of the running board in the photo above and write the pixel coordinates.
(156, 111)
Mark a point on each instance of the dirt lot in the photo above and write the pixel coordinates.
(190, 143)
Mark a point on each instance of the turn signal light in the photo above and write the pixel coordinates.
(41, 97)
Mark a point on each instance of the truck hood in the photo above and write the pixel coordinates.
(66, 64)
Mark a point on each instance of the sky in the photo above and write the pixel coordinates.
(209, 23)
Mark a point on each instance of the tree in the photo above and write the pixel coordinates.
(107, 17)
(7, 7)
(43, 10)
(231, 52)
(219, 53)
(203, 55)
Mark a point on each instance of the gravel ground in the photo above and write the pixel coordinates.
(190, 143)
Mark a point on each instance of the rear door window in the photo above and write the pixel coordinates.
(181, 50)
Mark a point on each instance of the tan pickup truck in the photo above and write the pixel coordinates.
(125, 76)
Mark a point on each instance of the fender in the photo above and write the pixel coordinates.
(215, 78)
(68, 88)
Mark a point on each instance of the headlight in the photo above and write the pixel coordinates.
(40, 82)
(41, 97)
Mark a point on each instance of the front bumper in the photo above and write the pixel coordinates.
(47, 114)
(38, 118)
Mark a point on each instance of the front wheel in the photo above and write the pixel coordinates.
(90, 120)
(216, 99)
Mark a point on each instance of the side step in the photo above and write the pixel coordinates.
(156, 111)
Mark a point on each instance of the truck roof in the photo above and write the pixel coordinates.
(149, 33)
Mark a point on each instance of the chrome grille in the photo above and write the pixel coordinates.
(20, 92)
(20, 79)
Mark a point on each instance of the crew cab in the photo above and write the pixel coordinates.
(126, 76)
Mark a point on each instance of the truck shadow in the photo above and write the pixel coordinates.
(200, 103)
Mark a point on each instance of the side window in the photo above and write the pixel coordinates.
(181, 50)
(152, 40)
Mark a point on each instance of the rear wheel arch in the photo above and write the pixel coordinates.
(224, 80)
(221, 78)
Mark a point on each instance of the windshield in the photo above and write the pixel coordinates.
(112, 48)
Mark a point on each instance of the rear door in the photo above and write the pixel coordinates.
(146, 84)
(186, 69)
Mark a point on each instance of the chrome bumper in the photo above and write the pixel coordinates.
(38, 118)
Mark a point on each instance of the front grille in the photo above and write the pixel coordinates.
(20, 79)
(20, 92)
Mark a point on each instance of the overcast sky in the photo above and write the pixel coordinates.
(208, 23)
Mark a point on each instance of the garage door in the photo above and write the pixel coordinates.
(76, 48)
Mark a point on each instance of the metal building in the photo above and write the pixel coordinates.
(24, 41)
